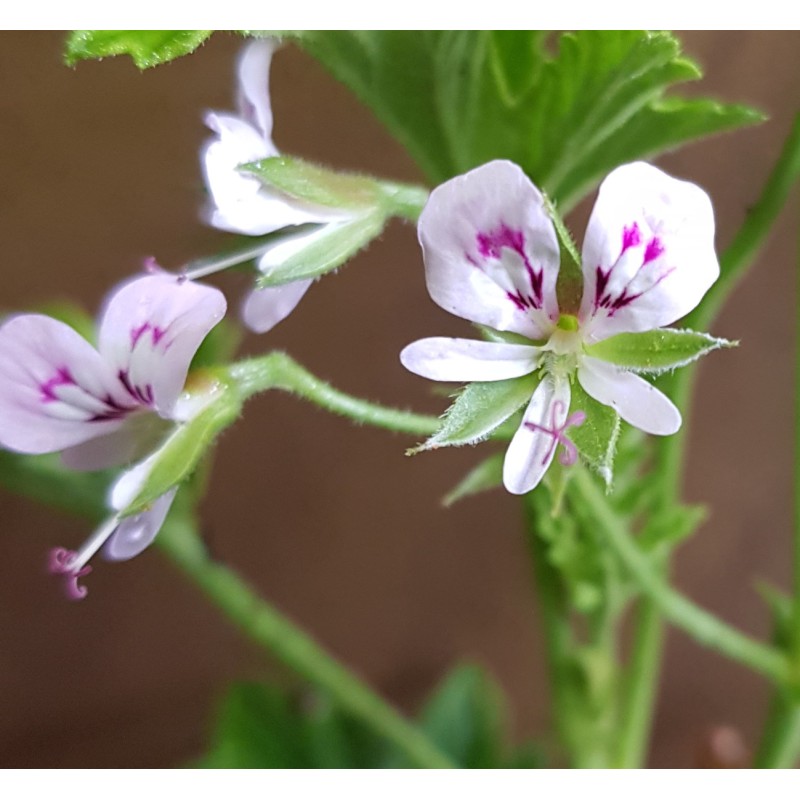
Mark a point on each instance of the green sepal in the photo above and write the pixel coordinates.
(146, 48)
(596, 438)
(333, 246)
(179, 454)
(488, 474)
(309, 183)
(479, 409)
(657, 350)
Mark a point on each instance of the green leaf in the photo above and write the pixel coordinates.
(658, 350)
(479, 409)
(486, 475)
(177, 457)
(326, 249)
(659, 127)
(672, 526)
(457, 99)
(263, 727)
(309, 183)
(258, 728)
(465, 717)
(146, 48)
(516, 61)
(596, 439)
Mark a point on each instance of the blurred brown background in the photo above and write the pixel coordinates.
(99, 168)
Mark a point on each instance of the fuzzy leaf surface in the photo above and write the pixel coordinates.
(657, 350)
(146, 48)
(479, 409)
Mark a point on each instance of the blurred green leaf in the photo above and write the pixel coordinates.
(456, 99)
(672, 526)
(656, 351)
(264, 727)
(146, 48)
(465, 717)
(486, 475)
(44, 479)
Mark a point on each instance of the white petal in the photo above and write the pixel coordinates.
(55, 389)
(648, 255)
(239, 202)
(443, 359)
(491, 252)
(263, 309)
(633, 398)
(254, 103)
(531, 450)
(150, 331)
(134, 534)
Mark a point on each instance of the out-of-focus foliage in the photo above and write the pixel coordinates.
(566, 108)
(263, 727)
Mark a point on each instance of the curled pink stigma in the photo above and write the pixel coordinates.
(60, 562)
(569, 453)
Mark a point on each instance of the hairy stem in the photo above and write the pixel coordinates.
(279, 371)
(269, 629)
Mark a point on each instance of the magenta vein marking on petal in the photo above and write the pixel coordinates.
(653, 250)
(631, 237)
(59, 562)
(63, 377)
(143, 396)
(158, 334)
(138, 332)
(570, 453)
(491, 245)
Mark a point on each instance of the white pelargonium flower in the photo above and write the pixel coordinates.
(106, 406)
(492, 257)
(242, 204)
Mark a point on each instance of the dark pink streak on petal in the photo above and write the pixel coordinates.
(491, 245)
(138, 332)
(142, 395)
(653, 250)
(59, 562)
(631, 237)
(63, 377)
(158, 334)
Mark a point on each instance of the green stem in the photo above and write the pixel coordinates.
(405, 200)
(557, 636)
(640, 685)
(267, 627)
(780, 742)
(703, 626)
(279, 371)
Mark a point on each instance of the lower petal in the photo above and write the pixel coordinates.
(263, 309)
(442, 359)
(135, 533)
(531, 450)
(638, 402)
